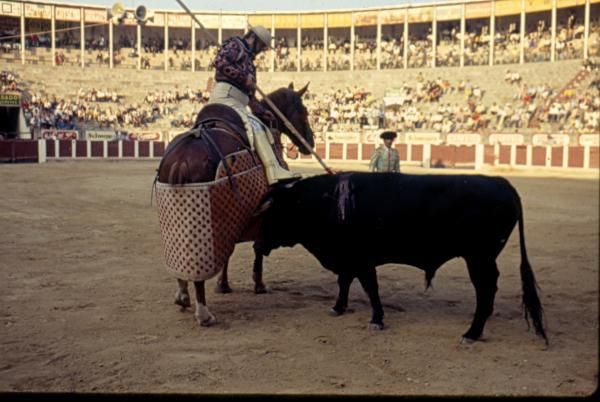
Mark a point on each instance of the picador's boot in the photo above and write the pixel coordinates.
(273, 169)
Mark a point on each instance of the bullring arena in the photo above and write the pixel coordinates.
(87, 305)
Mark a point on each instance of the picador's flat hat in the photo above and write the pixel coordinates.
(263, 34)
(388, 135)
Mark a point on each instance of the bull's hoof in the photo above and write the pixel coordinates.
(334, 312)
(376, 326)
(183, 300)
(467, 341)
(260, 289)
(207, 322)
(223, 288)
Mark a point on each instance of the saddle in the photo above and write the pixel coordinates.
(224, 117)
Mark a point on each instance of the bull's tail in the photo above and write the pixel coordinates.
(532, 307)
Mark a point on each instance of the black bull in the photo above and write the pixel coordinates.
(354, 222)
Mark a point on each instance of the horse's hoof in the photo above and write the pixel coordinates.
(375, 326)
(183, 301)
(208, 322)
(223, 288)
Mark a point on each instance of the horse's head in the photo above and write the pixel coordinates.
(289, 102)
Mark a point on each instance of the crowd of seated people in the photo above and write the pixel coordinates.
(477, 44)
(43, 111)
(338, 54)
(365, 54)
(311, 56)
(99, 95)
(420, 49)
(392, 53)
(419, 105)
(8, 82)
(574, 111)
(506, 45)
(448, 47)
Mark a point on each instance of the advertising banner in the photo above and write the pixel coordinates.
(391, 17)
(209, 21)
(506, 139)
(10, 8)
(463, 139)
(53, 134)
(100, 135)
(342, 136)
(41, 11)
(423, 138)
(158, 21)
(590, 140)
(557, 140)
(233, 22)
(420, 14)
(94, 15)
(179, 21)
(144, 136)
(10, 100)
(365, 19)
(67, 14)
(448, 13)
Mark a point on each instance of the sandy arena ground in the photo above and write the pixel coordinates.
(87, 306)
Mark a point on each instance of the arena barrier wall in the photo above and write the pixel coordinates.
(425, 155)
(13, 151)
(102, 149)
(469, 156)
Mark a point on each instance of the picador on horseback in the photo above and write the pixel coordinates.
(212, 178)
(235, 76)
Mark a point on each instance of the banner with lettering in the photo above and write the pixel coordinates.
(100, 135)
(463, 139)
(10, 100)
(10, 8)
(550, 139)
(144, 136)
(53, 134)
(506, 139)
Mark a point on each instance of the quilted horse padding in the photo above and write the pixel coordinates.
(200, 223)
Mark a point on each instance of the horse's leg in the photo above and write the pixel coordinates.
(368, 280)
(344, 281)
(223, 282)
(182, 296)
(259, 286)
(484, 275)
(203, 316)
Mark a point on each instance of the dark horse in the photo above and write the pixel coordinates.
(193, 158)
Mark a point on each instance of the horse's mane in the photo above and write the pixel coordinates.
(277, 97)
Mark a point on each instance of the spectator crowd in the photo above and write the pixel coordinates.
(423, 104)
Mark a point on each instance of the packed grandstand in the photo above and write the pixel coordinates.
(458, 67)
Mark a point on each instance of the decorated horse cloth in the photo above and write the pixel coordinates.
(200, 223)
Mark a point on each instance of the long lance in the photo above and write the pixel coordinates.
(289, 125)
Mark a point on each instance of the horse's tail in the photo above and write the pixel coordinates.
(532, 307)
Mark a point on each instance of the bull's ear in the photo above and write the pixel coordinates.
(291, 86)
(303, 90)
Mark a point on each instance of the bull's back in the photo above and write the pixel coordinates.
(413, 219)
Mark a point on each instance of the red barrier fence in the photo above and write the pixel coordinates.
(12, 151)
(79, 149)
(427, 155)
